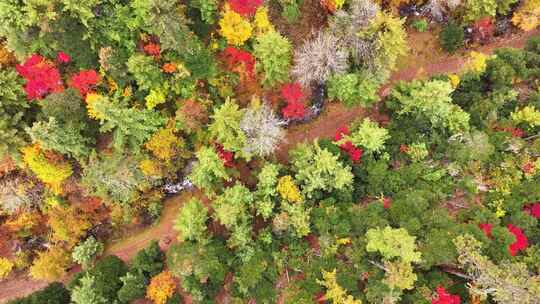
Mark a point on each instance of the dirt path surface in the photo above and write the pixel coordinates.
(335, 115)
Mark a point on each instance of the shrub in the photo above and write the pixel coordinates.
(476, 9)
(420, 25)
(451, 37)
(5, 268)
(273, 53)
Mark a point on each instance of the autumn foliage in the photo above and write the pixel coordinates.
(42, 77)
(84, 81)
(443, 297)
(293, 95)
(245, 7)
(161, 288)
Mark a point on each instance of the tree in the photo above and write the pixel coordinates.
(273, 53)
(51, 135)
(13, 113)
(209, 171)
(86, 252)
(225, 127)
(451, 37)
(19, 193)
(266, 189)
(476, 9)
(51, 173)
(504, 282)
(263, 130)
(5, 267)
(318, 169)
(234, 27)
(149, 261)
(319, 59)
(231, 208)
(130, 127)
(368, 135)
(527, 16)
(134, 287)
(50, 265)
(353, 89)
(392, 243)
(200, 266)
(431, 99)
(86, 292)
(68, 224)
(54, 293)
(334, 292)
(288, 189)
(164, 144)
(191, 221)
(145, 71)
(161, 288)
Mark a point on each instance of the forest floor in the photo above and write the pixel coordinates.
(334, 116)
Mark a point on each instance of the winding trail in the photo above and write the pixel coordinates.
(334, 116)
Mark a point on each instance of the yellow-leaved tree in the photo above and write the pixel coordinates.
(288, 189)
(161, 288)
(527, 16)
(50, 265)
(53, 172)
(5, 267)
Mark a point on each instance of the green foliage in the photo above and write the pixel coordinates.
(86, 292)
(130, 127)
(266, 189)
(319, 169)
(430, 99)
(13, 112)
(451, 37)
(54, 293)
(145, 71)
(369, 135)
(504, 282)
(116, 178)
(134, 287)
(149, 261)
(290, 9)
(231, 208)
(208, 9)
(100, 283)
(256, 278)
(209, 172)
(392, 243)
(273, 53)
(353, 89)
(420, 25)
(476, 9)
(191, 221)
(225, 128)
(86, 252)
(51, 135)
(201, 267)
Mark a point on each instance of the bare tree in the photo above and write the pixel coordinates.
(263, 130)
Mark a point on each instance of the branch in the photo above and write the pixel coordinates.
(452, 270)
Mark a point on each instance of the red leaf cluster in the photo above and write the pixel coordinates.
(354, 153)
(387, 202)
(152, 49)
(483, 30)
(443, 297)
(292, 93)
(63, 57)
(486, 228)
(84, 81)
(235, 57)
(226, 156)
(528, 168)
(533, 209)
(245, 7)
(42, 77)
(521, 242)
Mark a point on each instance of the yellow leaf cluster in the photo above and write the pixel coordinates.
(334, 292)
(234, 27)
(52, 174)
(528, 115)
(164, 144)
(67, 224)
(161, 288)
(454, 80)
(90, 100)
(262, 22)
(50, 265)
(5, 267)
(150, 167)
(288, 189)
(527, 17)
(154, 98)
(477, 62)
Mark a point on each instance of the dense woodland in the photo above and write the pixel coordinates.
(431, 196)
